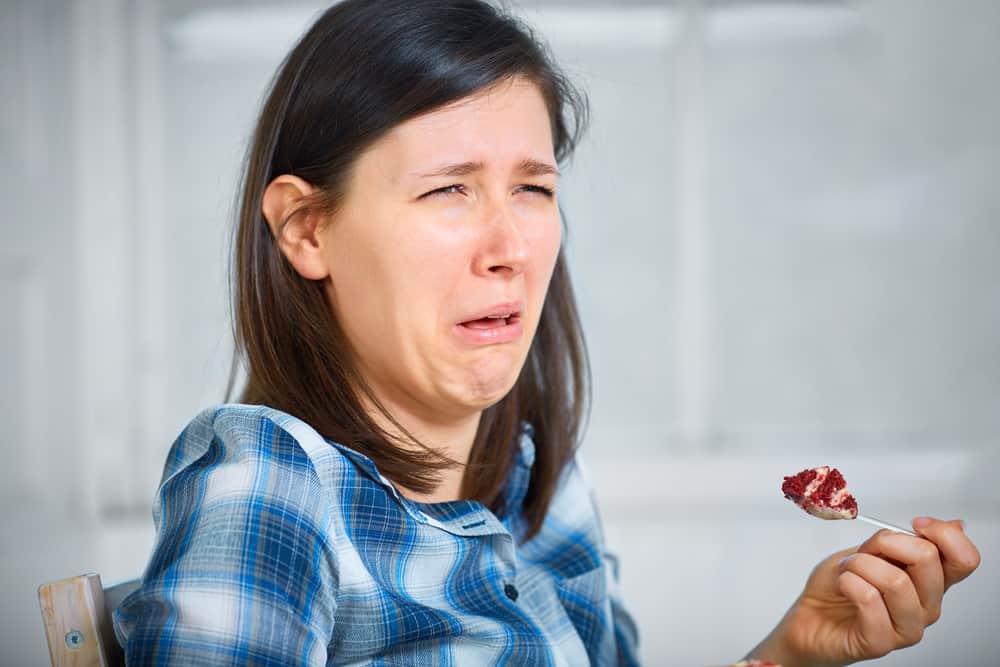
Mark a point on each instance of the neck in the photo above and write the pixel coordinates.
(452, 437)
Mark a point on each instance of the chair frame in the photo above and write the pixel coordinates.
(78, 624)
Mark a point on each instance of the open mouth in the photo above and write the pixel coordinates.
(493, 322)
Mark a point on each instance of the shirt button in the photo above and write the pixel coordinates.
(511, 591)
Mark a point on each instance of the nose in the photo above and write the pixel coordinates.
(503, 249)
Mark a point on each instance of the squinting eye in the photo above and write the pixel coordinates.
(459, 189)
(540, 189)
(447, 190)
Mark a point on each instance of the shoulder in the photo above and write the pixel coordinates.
(574, 502)
(246, 538)
(241, 431)
(237, 447)
(571, 537)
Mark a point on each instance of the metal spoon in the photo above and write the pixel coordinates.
(883, 524)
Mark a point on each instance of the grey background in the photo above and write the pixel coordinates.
(784, 233)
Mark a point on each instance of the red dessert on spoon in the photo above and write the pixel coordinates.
(823, 492)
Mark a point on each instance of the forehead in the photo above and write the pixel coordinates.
(500, 126)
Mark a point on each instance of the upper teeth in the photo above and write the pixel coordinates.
(495, 317)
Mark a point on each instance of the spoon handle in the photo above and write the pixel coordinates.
(883, 524)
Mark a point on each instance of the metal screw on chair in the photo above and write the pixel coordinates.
(74, 639)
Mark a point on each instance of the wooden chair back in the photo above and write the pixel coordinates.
(77, 617)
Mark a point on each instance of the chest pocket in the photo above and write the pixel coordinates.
(585, 599)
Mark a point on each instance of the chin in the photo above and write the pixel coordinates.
(482, 397)
(483, 382)
(480, 391)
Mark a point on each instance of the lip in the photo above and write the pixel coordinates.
(515, 307)
(509, 332)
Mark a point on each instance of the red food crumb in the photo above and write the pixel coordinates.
(794, 486)
(834, 482)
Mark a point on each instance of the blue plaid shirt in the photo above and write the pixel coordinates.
(277, 547)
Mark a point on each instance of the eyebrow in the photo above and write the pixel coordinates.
(528, 166)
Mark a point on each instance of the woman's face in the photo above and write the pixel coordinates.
(446, 220)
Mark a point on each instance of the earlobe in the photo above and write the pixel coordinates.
(297, 235)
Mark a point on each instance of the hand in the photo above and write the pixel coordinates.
(862, 603)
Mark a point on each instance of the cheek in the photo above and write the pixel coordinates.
(432, 252)
(394, 255)
(545, 241)
(428, 264)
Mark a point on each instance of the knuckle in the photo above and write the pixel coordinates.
(882, 535)
(873, 543)
(927, 552)
(870, 596)
(967, 562)
(898, 582)
(933, 614)
(913, 636)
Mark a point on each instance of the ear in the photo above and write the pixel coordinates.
(299, 238)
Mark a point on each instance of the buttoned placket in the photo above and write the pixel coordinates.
(474, 520)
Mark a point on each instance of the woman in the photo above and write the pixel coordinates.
(399, 484)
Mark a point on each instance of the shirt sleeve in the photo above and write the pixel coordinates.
(242, 572)
(625, 628)
(626, 631)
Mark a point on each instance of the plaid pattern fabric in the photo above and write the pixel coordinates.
(277, 547)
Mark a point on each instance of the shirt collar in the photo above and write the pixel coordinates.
(520, 474)
(463, 517)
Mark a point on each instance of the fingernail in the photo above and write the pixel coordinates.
(843, 562)
(922, 522)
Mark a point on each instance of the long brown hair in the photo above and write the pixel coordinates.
(362, 68)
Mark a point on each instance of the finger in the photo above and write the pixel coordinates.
(959, 556)
(897, 590)
(874, 625)
(922, 562)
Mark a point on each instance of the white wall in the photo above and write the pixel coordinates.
(783, 232)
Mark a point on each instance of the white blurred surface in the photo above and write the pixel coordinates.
(784, 231)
